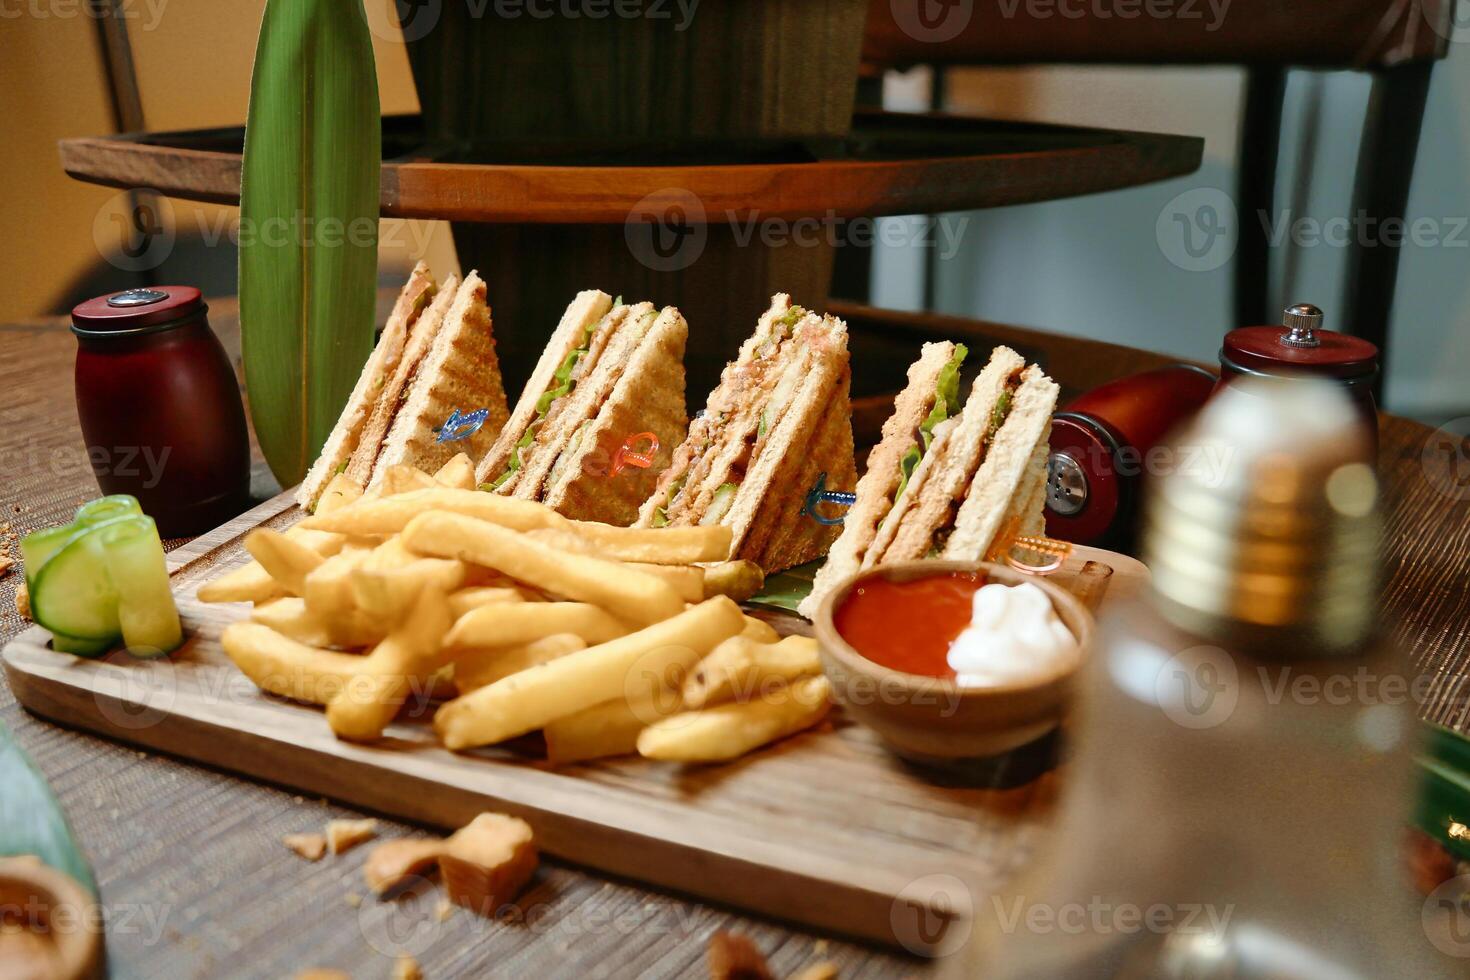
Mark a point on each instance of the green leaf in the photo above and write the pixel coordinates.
(788, 589)
(308, 224)
(946, 401)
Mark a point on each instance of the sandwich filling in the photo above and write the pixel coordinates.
(563, 382)
(946, 403)
(998, 415)
(754, 382)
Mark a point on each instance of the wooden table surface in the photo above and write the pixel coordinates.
(197, 883)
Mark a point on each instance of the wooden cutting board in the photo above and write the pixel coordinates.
(826, 829)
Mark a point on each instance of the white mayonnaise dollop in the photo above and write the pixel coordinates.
(1014, 636)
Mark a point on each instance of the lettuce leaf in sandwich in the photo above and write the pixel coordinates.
(946, 403)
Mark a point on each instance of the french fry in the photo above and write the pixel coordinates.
(391, 515)
(475, 596)
(324, 543)
(632, 595)
(740, 669)
(759, 630)
(625, 667)
(657, 546)
(401, 478)
(606, 729)
(731, 730)
(248, 583)
(458, 473)
(737, 579)
(282, 666)
(341, 491)
(408, 655)
(328, 589)
(687, 580)
(290, 617)
(286, 559)
(490, 627)
(481, 668)
(390, 591)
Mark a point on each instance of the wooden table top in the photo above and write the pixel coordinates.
(190, 861)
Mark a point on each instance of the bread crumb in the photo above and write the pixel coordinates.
(825, 970)
(23, 600)
(487, 862)
(343, 835)
(392, 864)
(407, 968)
(353, 900)
(309, 846)
(323, 975)
(5, 563)
(735, 957)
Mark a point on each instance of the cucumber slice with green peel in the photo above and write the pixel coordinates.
(133, 558)
(62, 643)
(103, 509)
(720, 504)
(73, 594)
(38, 546)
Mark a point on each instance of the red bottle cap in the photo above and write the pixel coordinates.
(1299, 346)
(137, 310)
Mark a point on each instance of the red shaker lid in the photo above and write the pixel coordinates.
(136, 310)
(1300, 345)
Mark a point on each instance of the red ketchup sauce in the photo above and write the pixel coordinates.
(908, 626)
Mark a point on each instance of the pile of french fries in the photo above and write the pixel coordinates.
(607, 640)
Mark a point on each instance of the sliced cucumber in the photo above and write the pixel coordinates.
(720, 505)
(62, 643)
(103, 509)
(73, 594)
(133, 559)
(37, 548)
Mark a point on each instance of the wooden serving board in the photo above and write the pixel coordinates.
(826, 829)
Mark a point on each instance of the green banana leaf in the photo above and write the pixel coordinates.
(31, 821)
(308, 224)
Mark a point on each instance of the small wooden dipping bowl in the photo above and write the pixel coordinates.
(934, 720)
(52, 928)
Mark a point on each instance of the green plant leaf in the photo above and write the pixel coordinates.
(308, 224)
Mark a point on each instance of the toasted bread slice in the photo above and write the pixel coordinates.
(744, 384)
(460, 373)
(1006, 465)
(943, 477)
(379, 369)
(420, 340)
(581, 316)
(791, 537)
(875, 491)
(645, 394)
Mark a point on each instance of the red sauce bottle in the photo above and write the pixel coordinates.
(160, 407)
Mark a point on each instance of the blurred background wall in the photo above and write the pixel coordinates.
(1094, 266)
